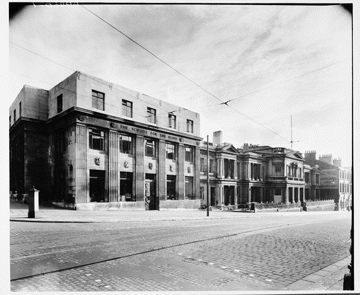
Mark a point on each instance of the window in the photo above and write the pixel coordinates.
(60, 103)
(190, 126)
(96, 139)
(14, 115)
(211, 163)
(19, 109)
(10, 120)
(170, 187)
(170, 151)
(151, 115)
(202, 165)
(149, 148)
(172, 121)
(277, 191)
(189, 187)
(98, 100)
(189, 154)
(127, 108)
(277, 168)
(317, 177)
(125, 144)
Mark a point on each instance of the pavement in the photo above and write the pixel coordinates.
(330, 277)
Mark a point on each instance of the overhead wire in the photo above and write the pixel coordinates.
(177, 71)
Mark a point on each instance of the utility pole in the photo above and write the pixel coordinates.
(207, 172)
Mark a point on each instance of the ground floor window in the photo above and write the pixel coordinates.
(171, 187)
(97, 186)
(126, 180)
(189, 193)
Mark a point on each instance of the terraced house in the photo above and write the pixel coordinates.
(91, 144)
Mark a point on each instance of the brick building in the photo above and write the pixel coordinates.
(91, 144)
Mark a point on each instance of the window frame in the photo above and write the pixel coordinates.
(172, 121)
(167, 149)
(146, 147)
(189, 126)
(59, 106)
(94, 132)
(127, 107)
(189, 155)
(151, 115)
(14, 114)
(96, 98)
(125, 146)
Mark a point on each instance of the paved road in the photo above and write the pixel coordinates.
(284, 251)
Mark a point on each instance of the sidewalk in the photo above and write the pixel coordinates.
(19, 212)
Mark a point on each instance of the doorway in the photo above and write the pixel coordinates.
(151, 200)
(212, 197)
(97, 186)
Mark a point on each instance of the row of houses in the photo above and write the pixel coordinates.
(91, 144)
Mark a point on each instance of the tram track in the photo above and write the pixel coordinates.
(163, 235)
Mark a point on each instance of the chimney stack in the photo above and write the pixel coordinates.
(217, 137)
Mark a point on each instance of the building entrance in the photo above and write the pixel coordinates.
(97, 186)
(151, 200)
(212, 196)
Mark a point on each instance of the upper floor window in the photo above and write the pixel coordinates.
(170, 151)
(96, 139)
(98, 99)
(125, 144)
(127, 108)
(60, 103)
(14, 115)
(151, 115)
(172, 121)
(189, 154)
(202, 165)
(211, 164)
(149, 148)
(10, 120)
(190, 126)
(19, 109)
(277, 168)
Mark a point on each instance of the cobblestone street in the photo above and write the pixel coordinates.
(245, 252)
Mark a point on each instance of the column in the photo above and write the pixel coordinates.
(286, 195)
(113, 166)
(80, 163)
(161, 173)
(139, 168)
(250, 194)
(180, 179)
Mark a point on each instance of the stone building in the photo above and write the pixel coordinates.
(91, 144)
(253, 173)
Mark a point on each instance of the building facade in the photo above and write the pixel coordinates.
(260, 174)
(101, 145)
(335, 181)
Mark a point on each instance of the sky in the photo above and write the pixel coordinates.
(275, 66)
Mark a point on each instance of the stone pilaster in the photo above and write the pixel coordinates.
(81, 173)
(139, 168)
(113, 166)
(180, 180)
(161, 173)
